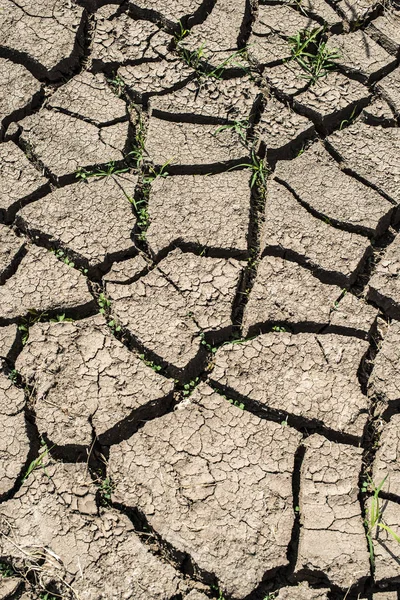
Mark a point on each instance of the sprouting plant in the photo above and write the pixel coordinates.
(195, 60)
(350, 120)
(13, 375)
(259, 169)
(180, 34)
(60, 254)
(37, 463)
(374, 516)
(236, 403)
(206, 345)
(240, 127)
(117, 84)
(109, 169)
(104, 303)
(155, 173)
(312, 53)
(189, 387)
(48, 596)
(60, 319)
(138, 150)
(142, 215)
(26, 322)
(279, 328)
(106, 488)
(150, 363)
(270, 596)
(6, 570)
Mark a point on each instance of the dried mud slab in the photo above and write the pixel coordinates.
(331, 100)
(93, 221)
(43, 284)
(333, 254)
(89, 97)
(154, 78)
(8, 336)
(387, 458)
(332, 535)
(232, 100)
(119, 38)
(360, 55)
(210, 212)
(385, 596)
(11, 251)
(385, 377)
(386, 30)
(19, 90)
(20, 182)
(316, 179)
(220, 34)
(356, 10)
(87, 381)
(98, 552)
(379, 112)
(167, 311)
(14, 442)
(384, 286)
(221, 467)
(281, 19)
(281, 129)
(389, 87)
(302, 592)
(126, 270)
(82, 144)
(186, 145)
(324, 367)
(170, 12)
(285, 292)
(373, 154)
(354, 313)
(323, 10)
(386, 548)
(48, 34)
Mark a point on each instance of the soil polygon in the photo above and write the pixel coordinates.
(385, 377)
(324, 367)
(384, 286)
(19, 89)
(208, 211)
(215, 494)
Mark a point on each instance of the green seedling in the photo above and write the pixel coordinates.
(312, 53)
(350, 120)
(206, 345)
(142, 216)
(236, 403)
(155, 173)
(109, 169)
(374, 516)
(259, 170)
(279, 328)
(189, 387)
(138, 151)
(239, 127)
(104, 303)
(150, 363)
(114, 326)
(37, 463)
(32, 317)
(195, 60)
(106, 487)
(48, 596)
(6, 570)
(180, 34)
(61, 319)
(60, 254)
(117, 85)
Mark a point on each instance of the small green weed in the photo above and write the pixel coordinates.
(206, 345)
(37, 463)
(117, 85)
(6, 570)
(180, 34)
(142, 216)
(350, 120)
(259, 170)
(109, 169)
(239, 127)
(150, 363)
(374, 516)
(106, 487)
(61, 319)
(279, 328)
(189, 387)
(48, 596)
(196, 59)
(104, 303)
(155, 173)
(236, 403)
(138, 151)
(312, 53)
(26, 322)
(60, 254)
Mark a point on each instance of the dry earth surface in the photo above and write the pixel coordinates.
(199, 299)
